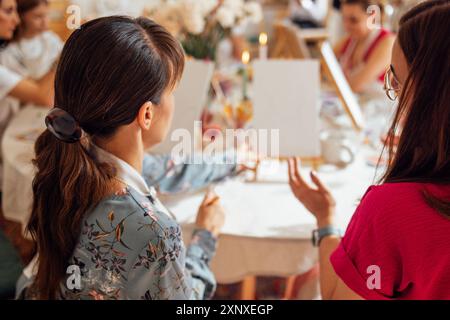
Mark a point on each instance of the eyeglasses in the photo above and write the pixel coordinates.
(391, 84)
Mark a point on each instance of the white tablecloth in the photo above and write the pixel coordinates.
(267, 231)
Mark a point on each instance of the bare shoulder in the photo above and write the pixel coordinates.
(385, 45)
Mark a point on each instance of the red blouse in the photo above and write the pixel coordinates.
(396, 246)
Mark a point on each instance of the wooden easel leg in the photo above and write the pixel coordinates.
(248, 288)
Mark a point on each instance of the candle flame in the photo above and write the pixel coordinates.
(245, 57)
(263, 39)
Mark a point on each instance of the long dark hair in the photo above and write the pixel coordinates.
(423, 115)
(23, 6)
(108, 69)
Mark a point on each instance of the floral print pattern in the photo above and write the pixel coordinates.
(161, 172)
(131, 249)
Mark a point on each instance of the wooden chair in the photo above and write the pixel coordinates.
(288, 44)
(292, 287)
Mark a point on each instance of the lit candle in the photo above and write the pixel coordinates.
(245, 57)
(245, 61)
(263, 49)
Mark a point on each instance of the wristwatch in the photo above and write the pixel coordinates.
(319, 234)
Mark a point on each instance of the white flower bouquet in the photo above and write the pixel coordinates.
(202, 24)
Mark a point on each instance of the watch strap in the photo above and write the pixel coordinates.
(321, 233)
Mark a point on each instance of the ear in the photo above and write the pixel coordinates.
(145, 115)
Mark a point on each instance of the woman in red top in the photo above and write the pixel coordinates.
(397, 245)
(365, 53)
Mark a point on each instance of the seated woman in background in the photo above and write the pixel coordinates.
(34, 49)
(12, 84)
(92, 209)
(365, 53)
(16, 88)
(397, 243)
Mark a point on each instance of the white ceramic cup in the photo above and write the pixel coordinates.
(337, 149)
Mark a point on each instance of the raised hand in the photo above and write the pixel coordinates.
(317, 199)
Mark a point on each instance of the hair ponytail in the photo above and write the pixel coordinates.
(108, 69)
(68, 182)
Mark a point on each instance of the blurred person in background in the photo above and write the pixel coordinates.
(365, 53)
(14, 86)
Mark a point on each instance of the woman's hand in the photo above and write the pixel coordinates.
(211, 215)
(318, 201)
(242, 168)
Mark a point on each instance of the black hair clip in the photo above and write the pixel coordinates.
(63, 126)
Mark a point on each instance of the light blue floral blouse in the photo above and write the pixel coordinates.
(131, 247)
(168, 177)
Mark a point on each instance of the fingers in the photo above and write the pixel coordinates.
(296, 173)
(320, 186)
(209, 198)
(213, 201)
(296, 180)
(243, 168)
(294, 176)
(292, 179)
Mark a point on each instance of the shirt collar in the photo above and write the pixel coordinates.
(125, 172)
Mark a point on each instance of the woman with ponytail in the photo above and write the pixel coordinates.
(93, 214)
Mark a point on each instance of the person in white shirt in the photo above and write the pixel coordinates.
(34, 49)
(309, 13)
(13, 85)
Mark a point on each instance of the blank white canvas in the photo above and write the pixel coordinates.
(286, 97)
(190, 99)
